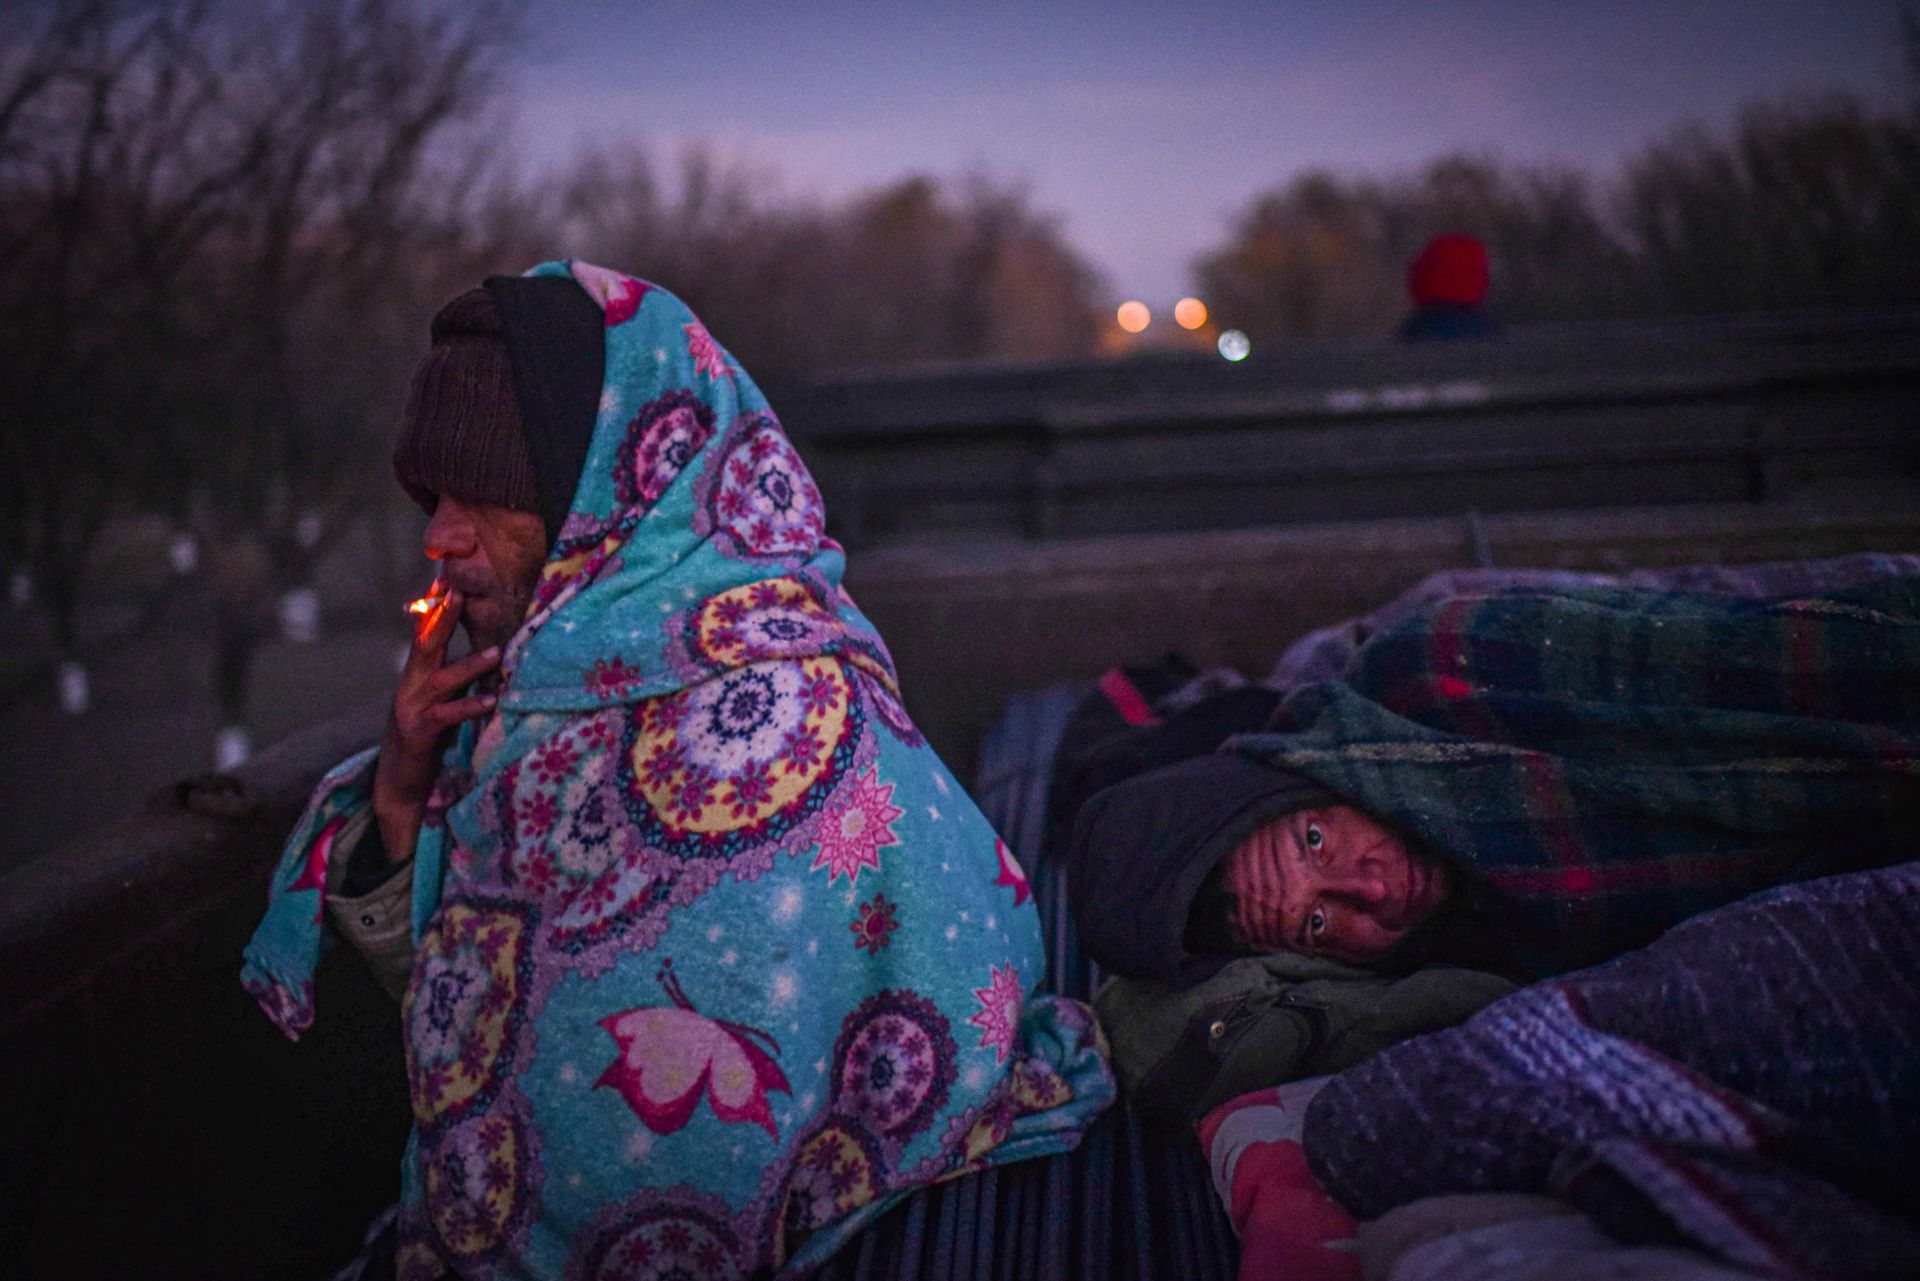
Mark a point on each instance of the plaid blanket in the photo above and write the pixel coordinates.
(1748, 1086)
(1603, 761)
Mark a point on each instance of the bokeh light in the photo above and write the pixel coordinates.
(1133, 316)
(1191, 313)
(1234, 345)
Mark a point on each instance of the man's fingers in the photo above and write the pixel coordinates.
(446, 715)
(462, 672)
(435, 631)
(441, 621)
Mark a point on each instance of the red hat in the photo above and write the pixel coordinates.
(1451, 269)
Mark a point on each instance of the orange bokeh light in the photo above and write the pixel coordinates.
(1133, 316)
(1191, 313)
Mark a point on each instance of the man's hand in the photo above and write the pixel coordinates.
(424, 711)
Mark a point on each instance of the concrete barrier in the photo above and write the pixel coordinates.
(1728, 409)
(156, 1124)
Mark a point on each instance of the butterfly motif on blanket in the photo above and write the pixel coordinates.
(313, 874)
(1011, 874)
(669, 1053)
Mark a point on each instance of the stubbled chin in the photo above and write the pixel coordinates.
(480, 628)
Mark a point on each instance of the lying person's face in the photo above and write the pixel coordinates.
(1332, 883)
(492, 557)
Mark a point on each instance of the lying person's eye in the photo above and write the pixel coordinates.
(1314, 839)
(1317, 923)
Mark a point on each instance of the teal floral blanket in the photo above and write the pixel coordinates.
(715, 958)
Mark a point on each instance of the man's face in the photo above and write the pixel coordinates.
(492, 557)
(1330, 882)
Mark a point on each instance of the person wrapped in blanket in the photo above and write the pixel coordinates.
(704, 957)
(1497, 779)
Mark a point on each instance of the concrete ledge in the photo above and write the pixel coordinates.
(159, 1125)
(194, 846)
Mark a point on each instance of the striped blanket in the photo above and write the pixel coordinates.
(1748, 1086)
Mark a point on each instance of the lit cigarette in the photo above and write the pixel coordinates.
(426, 603)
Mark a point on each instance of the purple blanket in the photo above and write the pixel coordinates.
(1749, 1084)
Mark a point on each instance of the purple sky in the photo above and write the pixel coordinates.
(1144, 127)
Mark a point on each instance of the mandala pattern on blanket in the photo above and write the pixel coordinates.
(658, 1236)
(757, 500)
(480, 1179)
(464, 1007)
(662, 439)
(737, 762)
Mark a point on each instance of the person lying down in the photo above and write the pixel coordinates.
(1500, 780)
(1526, 780)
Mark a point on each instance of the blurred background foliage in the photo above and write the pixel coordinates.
(225, 224)
(1811, 204)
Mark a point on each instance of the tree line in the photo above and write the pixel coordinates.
(226, 222)
(1801, 204)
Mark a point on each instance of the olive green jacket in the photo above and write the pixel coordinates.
(1182, 1051)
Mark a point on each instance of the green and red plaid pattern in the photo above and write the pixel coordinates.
(1601, 762)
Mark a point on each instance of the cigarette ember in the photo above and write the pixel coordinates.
(425, 604)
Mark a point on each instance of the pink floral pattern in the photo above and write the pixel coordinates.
(874, 930)
(481, 1180)
(708, 359)
(786, 617)
(609, 677)
(855, 827)
(839, 1169)
(661, 440)
(999, 1016)
(894, 1063)
(757, 499)
(586, 551)
(656, 1236)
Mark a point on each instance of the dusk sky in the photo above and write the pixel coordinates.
(1145, 127)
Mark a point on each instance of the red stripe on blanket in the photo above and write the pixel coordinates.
(1576, 877)
(1126, 698)
(1448, 661)
(1759, 1134)
(1733, 1209)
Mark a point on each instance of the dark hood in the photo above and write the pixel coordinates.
(554, 334)
(1142, 848)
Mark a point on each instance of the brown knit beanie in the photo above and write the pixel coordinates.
(462, 431)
